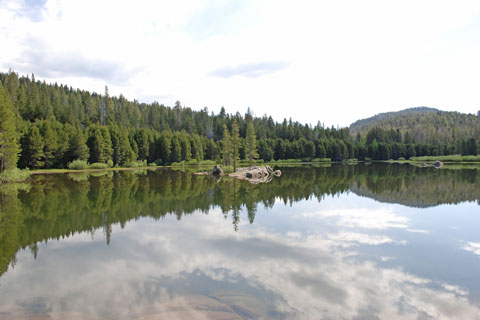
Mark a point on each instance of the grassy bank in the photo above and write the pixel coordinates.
(243, 163)
(451, 158)
(48, 171)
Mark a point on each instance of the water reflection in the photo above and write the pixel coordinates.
(315, 250)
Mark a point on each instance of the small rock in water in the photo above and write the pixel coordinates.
(437, 164)
(217, 170)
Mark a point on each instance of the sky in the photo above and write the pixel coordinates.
(328, 61)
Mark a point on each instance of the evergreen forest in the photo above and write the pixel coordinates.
(51, 126)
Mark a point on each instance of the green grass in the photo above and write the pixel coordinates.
(451, 158)
(14, 175)
(194, 162)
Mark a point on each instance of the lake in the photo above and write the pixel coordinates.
(379, 241)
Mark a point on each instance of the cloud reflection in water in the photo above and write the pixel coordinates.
(199, 268)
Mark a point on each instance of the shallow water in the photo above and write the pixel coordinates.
(341, 242)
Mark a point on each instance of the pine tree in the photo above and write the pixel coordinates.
(211, 150)
(235, 143)
(176, 153)
(165, 147)
(106, 146)
(9, 148)
(94, 142)
(251, 144)
(49, 148)
(77, 147)
(32, 149)
(227, 147)
(122, 150)
(185, 146)
(143, 143)
(126, 153)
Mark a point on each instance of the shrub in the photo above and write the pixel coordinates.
(136, 164)
(227, 169)
(192, 162)
(350, 161)
(78, 165)
(98, 165)
(207, 163)
(14, 175)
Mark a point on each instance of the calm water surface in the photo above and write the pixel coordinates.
(340, 242)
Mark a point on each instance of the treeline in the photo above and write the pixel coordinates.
(381, 144)
(50, 125)
(424, 125)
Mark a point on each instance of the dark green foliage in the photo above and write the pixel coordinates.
(100, 144)
(76, 124)
(77, 146)
(122, 152)
(32, 149)
(9, 148)
(420, 125)
(251, 144)
(265, 150)
(235, 137)
(384, 144)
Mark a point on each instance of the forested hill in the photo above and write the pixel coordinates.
(52, 126)
(425, 125)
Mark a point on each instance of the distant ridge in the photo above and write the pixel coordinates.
(381, 117)
(427, 125)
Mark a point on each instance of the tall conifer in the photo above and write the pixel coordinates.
(251, 144)
(9, 148)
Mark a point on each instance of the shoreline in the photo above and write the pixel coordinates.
(52, 171)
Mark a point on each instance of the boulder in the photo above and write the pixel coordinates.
(217, 170)
(437, 164)
(256, 174)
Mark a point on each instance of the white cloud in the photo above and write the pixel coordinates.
(346, 60)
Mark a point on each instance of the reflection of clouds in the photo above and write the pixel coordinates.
(418, 231)
(347, 239)
(380, 218)
(151, 269)
(472, 247)
(385, 259)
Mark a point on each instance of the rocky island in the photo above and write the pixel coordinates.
(252, 174)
